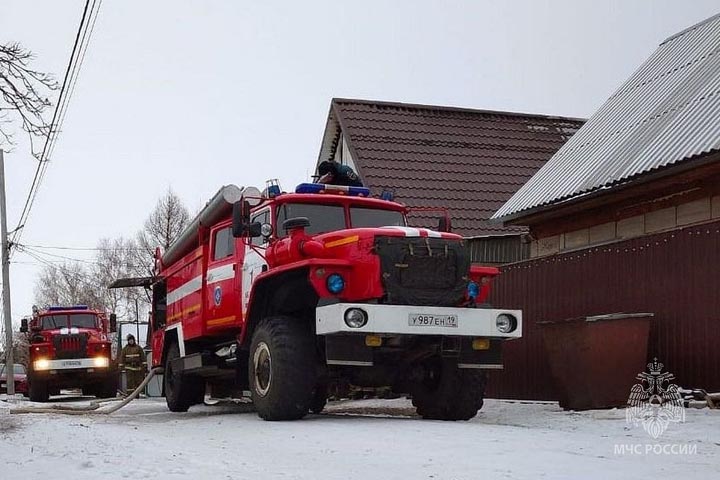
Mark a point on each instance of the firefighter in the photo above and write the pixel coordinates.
(132, 361)
(332, 173)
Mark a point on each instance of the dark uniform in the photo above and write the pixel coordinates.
(132, 361)
(332, 173)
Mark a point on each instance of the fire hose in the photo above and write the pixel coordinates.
(94, 407)
(699, 398)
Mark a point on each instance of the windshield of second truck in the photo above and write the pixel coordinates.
(76, 320)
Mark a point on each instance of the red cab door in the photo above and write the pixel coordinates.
(221, 296)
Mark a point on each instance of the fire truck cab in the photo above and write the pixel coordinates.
(295, 297)
(70, 348)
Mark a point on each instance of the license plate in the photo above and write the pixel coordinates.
(427, 320)
(3, 385)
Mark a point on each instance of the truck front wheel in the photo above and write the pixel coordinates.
(38, 391)
(448, 392)
(181, 391)
(282, 368)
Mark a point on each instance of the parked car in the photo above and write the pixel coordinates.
(21, 385)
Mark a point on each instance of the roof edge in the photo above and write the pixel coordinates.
(421, 106)
(688, 29)
(511, 219)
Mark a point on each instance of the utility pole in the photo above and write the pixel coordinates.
(9, 361)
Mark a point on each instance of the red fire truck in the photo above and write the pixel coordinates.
(69, 348)
(296, 296)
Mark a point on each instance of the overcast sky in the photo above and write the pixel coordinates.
(193, 95)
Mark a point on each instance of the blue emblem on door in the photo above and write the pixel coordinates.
(218, 295)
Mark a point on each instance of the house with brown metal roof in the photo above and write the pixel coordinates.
(468, 161)
(625, 217)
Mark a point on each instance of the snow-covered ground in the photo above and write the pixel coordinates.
(371, 439)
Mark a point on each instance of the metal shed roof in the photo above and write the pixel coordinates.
(667, 112)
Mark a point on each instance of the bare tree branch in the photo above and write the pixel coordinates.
(23, 96)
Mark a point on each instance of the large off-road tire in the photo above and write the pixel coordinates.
(448, 392)
(181, 391)
(38, 391)
(282, 368)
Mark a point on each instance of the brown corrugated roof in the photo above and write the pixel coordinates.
(470, 161)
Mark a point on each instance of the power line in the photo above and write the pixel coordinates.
(82, 40)
(25, 248)
(83, 249)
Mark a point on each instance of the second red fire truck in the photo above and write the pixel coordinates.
(297, 296)
(69, 348)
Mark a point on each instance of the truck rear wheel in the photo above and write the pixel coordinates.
(282, 368)
(181, 391)
(448, 392)
(38, 391)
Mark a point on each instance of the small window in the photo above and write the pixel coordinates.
(262, 218)
(224, 244)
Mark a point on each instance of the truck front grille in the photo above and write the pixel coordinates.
(423, 270)
(70, 346)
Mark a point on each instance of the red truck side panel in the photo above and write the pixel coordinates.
(184, 297)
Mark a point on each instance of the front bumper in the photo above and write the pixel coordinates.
(88, 365)
(397, 320)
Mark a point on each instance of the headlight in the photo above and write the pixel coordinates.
(101, 362)
(505, 323)
(42, 364)
(335, 283)
(355, 317)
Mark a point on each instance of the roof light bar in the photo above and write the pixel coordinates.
(57, 308)
(336, 189)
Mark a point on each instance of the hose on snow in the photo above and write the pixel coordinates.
(94, 407)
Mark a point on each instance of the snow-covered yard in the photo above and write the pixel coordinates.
(371, 439)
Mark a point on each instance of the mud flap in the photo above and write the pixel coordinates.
(348, 350)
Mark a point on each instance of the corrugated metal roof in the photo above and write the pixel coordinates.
(469, 161)
(668, 111)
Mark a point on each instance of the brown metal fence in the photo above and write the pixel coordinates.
(675, 275)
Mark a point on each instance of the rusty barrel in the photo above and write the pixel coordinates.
(594, 360)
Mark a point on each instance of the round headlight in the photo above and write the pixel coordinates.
(266, 230)
(355, 317)
(505, 323)
(335, 283)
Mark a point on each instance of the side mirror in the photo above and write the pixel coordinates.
(253, 230)
(444, 224)
(113, 323)
(24, 325)
(240, 218)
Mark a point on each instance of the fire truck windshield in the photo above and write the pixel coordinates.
(323, 218)
(76, 320)
(328, 218)
(372, 217)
